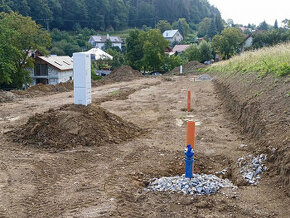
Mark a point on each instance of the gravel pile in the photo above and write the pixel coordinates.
(203, 77)
(200, 184)
(252, 168)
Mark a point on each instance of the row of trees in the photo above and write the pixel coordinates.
(270, 38)
(109, 14)
(19, 36)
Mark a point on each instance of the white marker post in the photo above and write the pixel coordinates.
(180, 69)
(82, 78)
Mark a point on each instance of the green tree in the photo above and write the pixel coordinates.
(276, 24)
(163, 25)
(108, 44)
(205, 51)
(286, 23)
(181, 28)
(182, 23)
(154, 50)
(212, 29)
(230, 22)
(204, 26)
(219, 24)
(26, 36)
(146, 50)
(135, 43)
(270, 38)
(192, 53)
(229, 42)
(118, 58)
(8, 53)
(171, 62)
(263, 26)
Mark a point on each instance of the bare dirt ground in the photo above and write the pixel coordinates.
(109, 180)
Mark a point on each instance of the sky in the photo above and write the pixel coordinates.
(253, 11)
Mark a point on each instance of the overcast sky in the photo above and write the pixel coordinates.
(253, 11)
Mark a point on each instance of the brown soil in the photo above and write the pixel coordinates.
(109, 180)
(189, 67)
(261, 106)
(6, 96)
(73, 126)
(122, 74)
(41, 89)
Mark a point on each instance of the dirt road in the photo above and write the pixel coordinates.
(109, 180)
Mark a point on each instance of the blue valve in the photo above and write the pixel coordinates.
(189, 153)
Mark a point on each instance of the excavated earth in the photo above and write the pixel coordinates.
(73, 126)
(189, 67)
(109, 177)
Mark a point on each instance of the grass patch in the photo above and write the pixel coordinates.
(116, 92)
(274, 60)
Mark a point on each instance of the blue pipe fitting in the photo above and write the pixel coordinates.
(189, 153)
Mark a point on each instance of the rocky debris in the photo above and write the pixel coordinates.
(200, 184)
(203, 77)
(73, 126)
(243, 145)
(223, 172)
(252, 168)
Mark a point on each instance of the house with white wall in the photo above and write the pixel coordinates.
(99, 41)
(248, 41)
(52, 70)
(173, 36)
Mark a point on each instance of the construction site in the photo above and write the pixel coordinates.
(122, 155)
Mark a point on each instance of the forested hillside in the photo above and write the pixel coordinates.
(109, 14)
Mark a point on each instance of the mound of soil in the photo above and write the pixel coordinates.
(73, 126)
(6, 96)
(41, 89)
(122, 74)
(261, 106)
(189, 67)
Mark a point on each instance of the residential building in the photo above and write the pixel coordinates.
(99, 41)
(173, 36)
(52, 70)
(99, 54)
(180, 48)
(248, 41)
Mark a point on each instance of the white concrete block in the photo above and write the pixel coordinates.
(82, 78)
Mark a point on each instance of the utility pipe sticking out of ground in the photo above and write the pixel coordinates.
(189, 151)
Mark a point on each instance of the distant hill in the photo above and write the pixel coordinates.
(109, 14)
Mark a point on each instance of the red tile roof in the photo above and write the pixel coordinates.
(180, 48)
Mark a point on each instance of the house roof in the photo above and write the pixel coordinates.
(62, 63)
(102, 39)
(99, 54)
(180, 48)
(169, 33)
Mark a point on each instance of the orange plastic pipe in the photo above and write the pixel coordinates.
(190, 133)
(190, 137)
(188, 100)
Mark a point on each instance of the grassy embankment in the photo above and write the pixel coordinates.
(273, 60)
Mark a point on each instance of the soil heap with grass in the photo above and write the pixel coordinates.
(189, 67)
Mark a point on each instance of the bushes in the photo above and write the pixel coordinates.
(202, 52)
(270, 38)
(171, 62)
